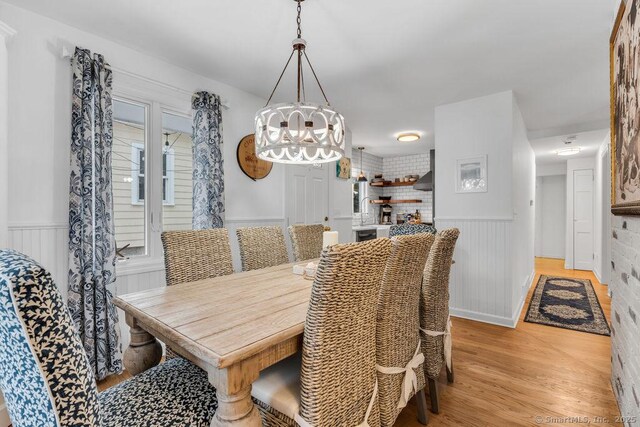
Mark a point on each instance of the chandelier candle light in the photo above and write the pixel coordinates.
(299, 132)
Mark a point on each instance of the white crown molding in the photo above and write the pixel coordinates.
(6, 31)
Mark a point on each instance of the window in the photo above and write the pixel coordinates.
(177, 172)
(151, 171)
(359, 193)
(129, 176)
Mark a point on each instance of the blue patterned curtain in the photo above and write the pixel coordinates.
(208, 171)
(91, 231)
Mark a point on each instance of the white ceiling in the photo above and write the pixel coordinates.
(546, 148)
(385, 65)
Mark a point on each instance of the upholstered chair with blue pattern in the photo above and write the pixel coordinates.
(410, 229)
(46, 378)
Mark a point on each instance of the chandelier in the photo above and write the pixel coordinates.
(299, 132)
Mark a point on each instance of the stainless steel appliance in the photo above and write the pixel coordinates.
(368, 234)
(385, 214)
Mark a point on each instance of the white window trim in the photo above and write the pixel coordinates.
(157, 99)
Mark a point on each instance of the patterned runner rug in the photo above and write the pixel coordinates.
(567, 303)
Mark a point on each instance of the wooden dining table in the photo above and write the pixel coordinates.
(231, 326)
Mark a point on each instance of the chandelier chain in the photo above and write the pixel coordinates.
(299, 20)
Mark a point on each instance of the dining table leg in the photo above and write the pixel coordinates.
(233, 389)
(144, 350)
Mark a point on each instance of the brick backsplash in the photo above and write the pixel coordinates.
(625, 303)
(391, 168)
(398, 167)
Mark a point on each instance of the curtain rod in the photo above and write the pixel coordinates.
(67, 53)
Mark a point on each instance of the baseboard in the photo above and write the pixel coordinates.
(598, 276)
(482, 317)
(525, 290)
(5, 421)
(507, 322)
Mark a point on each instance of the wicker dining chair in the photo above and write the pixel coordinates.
(192, 255)
(398, 349)
(333, 382)
(306, 241)
(261, 247)
(435, 324)
(46, 377)
(409, 229)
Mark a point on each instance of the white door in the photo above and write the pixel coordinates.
(307, 194)
(583, 219)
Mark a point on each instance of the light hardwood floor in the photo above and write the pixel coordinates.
(508, 377)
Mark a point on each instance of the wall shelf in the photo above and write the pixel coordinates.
(394, 202)
(392, 184)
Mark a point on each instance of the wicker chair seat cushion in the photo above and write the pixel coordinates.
(279, 386)
(174, 393)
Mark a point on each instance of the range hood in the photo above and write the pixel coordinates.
(425, 183)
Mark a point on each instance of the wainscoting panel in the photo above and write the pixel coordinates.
(481, 286)
(48, 244)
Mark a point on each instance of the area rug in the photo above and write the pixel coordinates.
(567, 303)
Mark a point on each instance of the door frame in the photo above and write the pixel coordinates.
(573, 165)
(593, 224)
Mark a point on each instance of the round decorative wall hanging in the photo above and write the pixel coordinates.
(249, 163)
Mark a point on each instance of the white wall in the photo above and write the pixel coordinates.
(551, 216)
(602, 213)
(494, 254)
(551, 169)
(572, 165)
(523, 195)
(472, 128)
(6, 33)
(340, 216)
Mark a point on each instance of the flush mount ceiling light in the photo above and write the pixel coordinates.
(408, 137)
(568, 151)
(299, 132)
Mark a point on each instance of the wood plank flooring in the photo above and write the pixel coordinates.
(508, 377)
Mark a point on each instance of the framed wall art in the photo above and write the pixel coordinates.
(625, 110)
(343, 168)
(471, 175)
